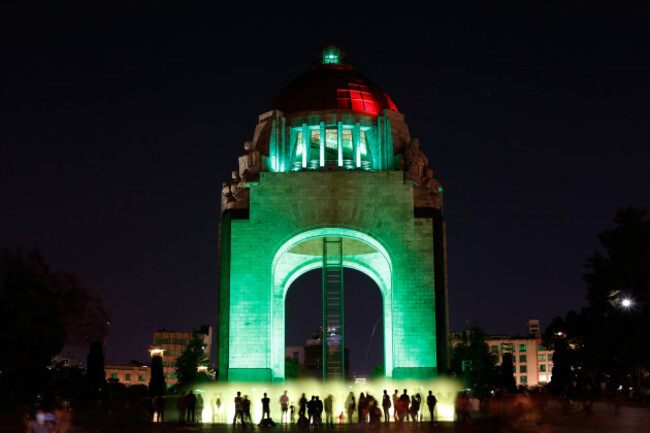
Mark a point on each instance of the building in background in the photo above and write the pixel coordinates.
(532, 362)
(129, 374)
(173, 344)
(311, 356)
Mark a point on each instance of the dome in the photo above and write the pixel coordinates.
(332, 84)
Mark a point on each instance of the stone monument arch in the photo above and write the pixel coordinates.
(331, 179)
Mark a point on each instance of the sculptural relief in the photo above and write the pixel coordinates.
(415, 160)
(250, 164)
(426, 188)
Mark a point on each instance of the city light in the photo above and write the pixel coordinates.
(627, 303)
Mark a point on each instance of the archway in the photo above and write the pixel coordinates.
(364, 333)
(302, 253)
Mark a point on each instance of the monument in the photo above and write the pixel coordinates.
(331, 179)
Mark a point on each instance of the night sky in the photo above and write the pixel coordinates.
(119, 124)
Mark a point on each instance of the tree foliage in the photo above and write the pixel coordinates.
(41, 310)
(606, 340)
(187, 364)
(472, 347)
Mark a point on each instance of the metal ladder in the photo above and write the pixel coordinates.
(333, 354)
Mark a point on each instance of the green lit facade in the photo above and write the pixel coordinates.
(331, 165)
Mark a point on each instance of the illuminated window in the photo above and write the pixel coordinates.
(346, 143)
(523, 379)
(542, 378)
(523, 369)
(522, 347)
(114, 376)
(299, 149)
(542, 368)
(541, 358)
(142, 378)
(314, 142)
(363, 146)
(522, 358)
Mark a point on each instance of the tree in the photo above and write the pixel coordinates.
(95, 375)
(188, 363)
(507, 378)
(41, 310)
(616, 330)
(471, 358)
(157, 381)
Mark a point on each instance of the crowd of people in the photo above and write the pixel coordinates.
(367, 407)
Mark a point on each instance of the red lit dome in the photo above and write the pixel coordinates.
(330, 84)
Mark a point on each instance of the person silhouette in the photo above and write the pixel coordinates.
(385, 404)
(431, 404)
(266, 409)
(329, 419)
(239, 409)
(190, 401)
(351, 405)
(284, 403)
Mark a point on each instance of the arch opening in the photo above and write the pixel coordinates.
(364, 333)
(303, 253)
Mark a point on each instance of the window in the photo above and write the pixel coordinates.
(522, 358)
(494, 349)
(542, 367)
(346, 143)
(142, 378)
(541, 347)
(542, 378)
(523, 379)
(157, 341)
(296, 356)
(114, 376)
(550, 357)
(541, 358)
(523, 369)
(522, 347)
(128, 377)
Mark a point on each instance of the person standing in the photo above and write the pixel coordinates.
(180, 405)
(415, 408)
(385, 404)
(311, 409)
(329, 419)
(160, 408)
(303, 406)
(318, 412)
(431, 404)
(239, 409)
(362, 408)
(405, 402)
(284, 403)
(352, 405)
(190, 401)
(266, 409)
(395, 400)
(246, 404)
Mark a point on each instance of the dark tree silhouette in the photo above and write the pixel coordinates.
(187, 364)
(507, 377)
(41, 310)
(157, 381)
(96, 375)
(475, 352)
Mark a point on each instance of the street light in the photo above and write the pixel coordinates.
(627, 303)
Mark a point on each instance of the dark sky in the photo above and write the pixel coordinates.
(119, 124)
